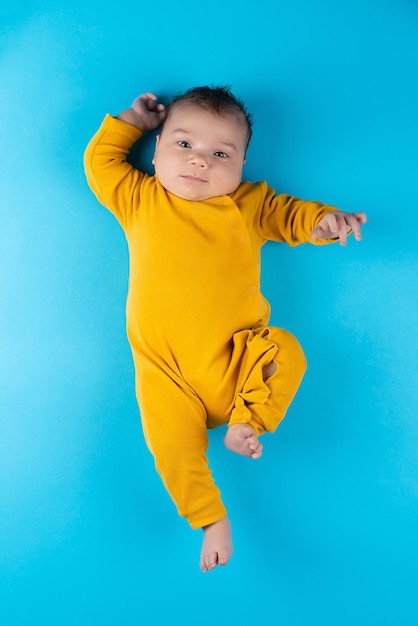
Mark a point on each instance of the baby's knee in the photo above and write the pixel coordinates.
(290, 350)
(298, 355)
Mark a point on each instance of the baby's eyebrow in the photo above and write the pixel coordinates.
(181, 131)
(231, 146)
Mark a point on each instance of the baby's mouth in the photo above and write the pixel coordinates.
(193, 179)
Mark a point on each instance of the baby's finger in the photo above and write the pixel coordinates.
(147, 96)
(161, 111)
(336, 225)
(354, 222)
(317, 233)
(362, 217)
(150, 101)
(342, 229)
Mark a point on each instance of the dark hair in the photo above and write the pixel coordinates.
(218, 100)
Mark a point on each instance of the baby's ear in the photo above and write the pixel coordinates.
(157, 139)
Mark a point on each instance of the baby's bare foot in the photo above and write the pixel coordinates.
(217, 545)
(242, 439)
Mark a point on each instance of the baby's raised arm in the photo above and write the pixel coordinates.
(144, 112)
(114, 181)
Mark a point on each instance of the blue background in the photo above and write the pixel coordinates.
(325, 526)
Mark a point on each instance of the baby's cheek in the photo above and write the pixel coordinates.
(232, 179)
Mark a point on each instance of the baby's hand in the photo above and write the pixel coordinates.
(151, 113)
(337, 224)
(144, 113)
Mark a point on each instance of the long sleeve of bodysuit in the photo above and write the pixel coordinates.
(115, 183)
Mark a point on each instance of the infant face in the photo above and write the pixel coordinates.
(200, 154)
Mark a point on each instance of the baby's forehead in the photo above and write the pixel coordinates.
(192, 112)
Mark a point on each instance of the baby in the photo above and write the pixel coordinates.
(197, 322)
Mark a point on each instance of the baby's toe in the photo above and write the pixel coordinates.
(253, 442)
(211, 560)
(257, 452)
(223, 557)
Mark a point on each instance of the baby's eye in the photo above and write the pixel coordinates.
(184, 144)
(222, 155)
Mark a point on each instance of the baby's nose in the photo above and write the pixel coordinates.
(198, 159)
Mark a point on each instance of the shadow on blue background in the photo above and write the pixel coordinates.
(325, 525)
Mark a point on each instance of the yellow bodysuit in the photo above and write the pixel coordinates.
(196, 319)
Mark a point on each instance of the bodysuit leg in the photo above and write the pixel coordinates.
(263, 403)
(175, 429)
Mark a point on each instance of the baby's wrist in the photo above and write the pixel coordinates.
(130, 116)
